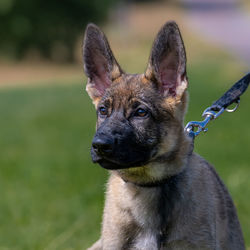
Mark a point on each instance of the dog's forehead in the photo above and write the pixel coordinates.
(131, 86)
(129, 90)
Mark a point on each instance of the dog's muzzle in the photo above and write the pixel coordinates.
(114, 153)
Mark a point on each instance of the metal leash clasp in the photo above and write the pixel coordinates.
(195, 127)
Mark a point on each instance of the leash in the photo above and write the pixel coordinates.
(194, 128)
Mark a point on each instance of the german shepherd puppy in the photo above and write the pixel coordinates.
(160, 195)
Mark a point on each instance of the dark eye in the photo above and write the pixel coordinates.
(103, 110)
(141, 112)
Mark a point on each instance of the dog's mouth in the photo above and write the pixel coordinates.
(107, 164)
(124, 161)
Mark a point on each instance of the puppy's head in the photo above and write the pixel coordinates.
(139, 117)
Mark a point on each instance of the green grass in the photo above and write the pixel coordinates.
(52, 195)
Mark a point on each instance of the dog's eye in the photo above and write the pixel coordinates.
(103, 110)
(141, 112)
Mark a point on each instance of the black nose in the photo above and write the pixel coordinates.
(102, 146)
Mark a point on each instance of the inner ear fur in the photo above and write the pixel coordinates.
(167, 62)
(100, 65)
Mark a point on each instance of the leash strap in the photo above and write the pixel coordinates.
(194, 128)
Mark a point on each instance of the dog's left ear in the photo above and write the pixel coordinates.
(100, 64)
(167, 62)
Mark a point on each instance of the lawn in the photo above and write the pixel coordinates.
(52, 195)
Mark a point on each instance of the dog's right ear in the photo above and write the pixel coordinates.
(167, 63)
(100, 65)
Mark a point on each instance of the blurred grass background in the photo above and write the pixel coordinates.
(51, 194)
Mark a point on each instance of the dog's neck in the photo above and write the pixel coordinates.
(150, 209)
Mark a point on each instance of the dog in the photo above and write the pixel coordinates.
(160, 194)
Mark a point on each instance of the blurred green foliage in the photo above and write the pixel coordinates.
(50, 27)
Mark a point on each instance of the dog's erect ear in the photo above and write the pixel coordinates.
(100, 65)
(167, 62)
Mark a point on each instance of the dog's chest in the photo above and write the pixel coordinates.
(145, 207)
(149, 214)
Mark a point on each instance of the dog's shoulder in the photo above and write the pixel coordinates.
(207, 183)
(204, 179)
